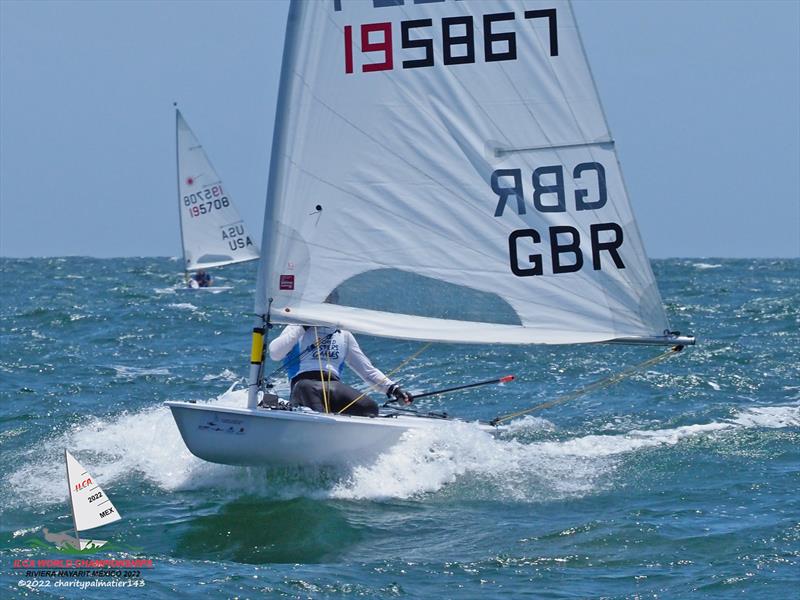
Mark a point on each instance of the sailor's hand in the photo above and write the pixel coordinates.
(399, 394)
(407, 397)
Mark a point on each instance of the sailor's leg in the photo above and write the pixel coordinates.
(308, 393)
(343, 395)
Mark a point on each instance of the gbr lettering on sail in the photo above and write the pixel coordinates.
(547, 194)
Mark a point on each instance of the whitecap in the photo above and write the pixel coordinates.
(27, 531)
(771, 417)
(131, 372)
(183, 306)
(226, 375)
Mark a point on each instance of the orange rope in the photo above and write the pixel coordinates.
(321, 374)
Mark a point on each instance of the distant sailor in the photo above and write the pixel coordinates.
(314, 357)
(202, 279)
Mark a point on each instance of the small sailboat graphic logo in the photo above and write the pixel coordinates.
(90, 506)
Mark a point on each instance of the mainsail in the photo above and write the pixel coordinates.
(90, 506)
(212, 232)
(461, 141)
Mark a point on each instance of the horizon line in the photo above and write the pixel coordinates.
(707, 257)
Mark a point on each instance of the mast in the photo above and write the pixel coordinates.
(180, 212)
(71, 504)
(276, 174)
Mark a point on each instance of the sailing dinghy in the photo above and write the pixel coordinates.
(458, 144)
(212, 232)
(90, 506)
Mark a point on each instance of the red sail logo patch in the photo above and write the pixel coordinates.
(287, 282)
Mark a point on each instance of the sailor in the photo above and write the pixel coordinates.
(314, 357)
(202, 278)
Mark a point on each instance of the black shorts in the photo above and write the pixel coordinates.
(313, 394)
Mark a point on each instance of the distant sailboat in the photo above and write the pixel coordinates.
(212, 232)
(90, 506)
(447, 152)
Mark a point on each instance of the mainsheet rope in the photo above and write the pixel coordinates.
(392, 372)
(616, 378)
(321, 374)
(608, 381)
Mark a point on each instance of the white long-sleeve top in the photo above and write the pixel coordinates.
(336, 347)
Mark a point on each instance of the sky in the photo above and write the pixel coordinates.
(703, 100)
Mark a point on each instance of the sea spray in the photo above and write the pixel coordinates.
(147, 445)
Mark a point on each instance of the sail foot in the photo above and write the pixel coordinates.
(411, 327)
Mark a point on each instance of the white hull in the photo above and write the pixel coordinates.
(242, 436)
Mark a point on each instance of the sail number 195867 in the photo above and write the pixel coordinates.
(457, 41)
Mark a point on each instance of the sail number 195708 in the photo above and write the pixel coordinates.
(204, 201)
(457, 41)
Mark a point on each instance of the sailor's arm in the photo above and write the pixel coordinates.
(358, 361)
(282, 345)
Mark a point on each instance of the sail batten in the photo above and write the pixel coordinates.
(461, 141)
(499, 151)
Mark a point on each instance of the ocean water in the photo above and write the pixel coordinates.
(682, 481)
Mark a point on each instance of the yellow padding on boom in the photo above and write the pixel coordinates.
(257, 349)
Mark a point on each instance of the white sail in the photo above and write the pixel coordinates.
(212, 232)
(462, 142)
(90, 506)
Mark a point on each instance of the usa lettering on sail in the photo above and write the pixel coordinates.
(236, 237)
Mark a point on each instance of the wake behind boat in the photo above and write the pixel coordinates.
(478, 165)
(212, 232)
